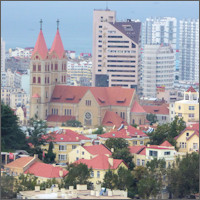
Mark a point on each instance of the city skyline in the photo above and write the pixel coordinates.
(76, 27)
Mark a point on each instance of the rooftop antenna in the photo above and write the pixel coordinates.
(57, 24)
(41, 24)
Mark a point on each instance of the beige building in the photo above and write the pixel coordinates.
(116, 51)
(158, 68)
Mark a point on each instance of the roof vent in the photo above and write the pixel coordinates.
(61, 138)
(136, 133)
(113, 134)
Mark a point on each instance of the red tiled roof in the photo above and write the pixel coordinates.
(136, 149)
(158, 147)
(143, 152)
(20, 162)
(57, 46)
(162, 109)
(45, 170)
(104, 95)
(166, 144)
(97, 149)
(66, 136)
(40, 46)
(36, 96)
(137, 108)
(100, 162)
(191, 89)
(124, 133)
(58, 118)
(112, 118)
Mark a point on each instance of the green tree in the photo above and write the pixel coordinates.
(78, 174)
(50, 156)
(116, 143)
(151, 182)
(8, 190)
(134, 125)
(125, 155)
(99, 131)
(73, 123)
(110, 179)
(152, 118)
(12, 137)
(37, 131)
(183, 179)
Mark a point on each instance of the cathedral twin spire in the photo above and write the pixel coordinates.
(41, 47)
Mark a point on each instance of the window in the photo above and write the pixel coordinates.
(191, 107)
(191, 115)
(62, 157)
(88, 119)
(34, 68)
(39, 79)
(73, 146)
(77, 158)
(167, 153)
(183, 145)
(143, 162)
(77, 151)
(187, 134)
(134, 142)
(153, 153)
(122, 115)
(138, 162)
(56, 67)
(141, 142)
(39, 68)
(92, 174)
(88, 102)
(62, 147)
(83, 152)
(195, 146)
(34, 80)
(98, 174)
(164, 117)
(69, 111)
(179, 107)
(180, 114)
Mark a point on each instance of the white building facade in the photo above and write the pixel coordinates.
(116, 51)
(160, 31)
(189, 50)
(158, 69)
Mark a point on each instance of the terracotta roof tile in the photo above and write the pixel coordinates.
(45, 170)
(97, 149)
(58, 118)
(162, 109)
(136, 149)
(57, 46)
(66, 136)
(143, 152)
(137, 108)
(191, 89)
(20, 162)
(100, 162)
(40, 46)
(166, 144)
(112, 118)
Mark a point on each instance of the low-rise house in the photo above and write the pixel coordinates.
(161, 112)
(129, 133)
(45, 172)
(65, 141)
(100, 165)
(188, 139)
(144, 154)
(88, 152)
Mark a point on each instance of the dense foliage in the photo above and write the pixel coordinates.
(50, 156)
(151, 118)
(12, 137)
(73, 123)
(99, 131)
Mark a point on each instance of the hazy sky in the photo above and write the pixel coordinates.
(20, 19)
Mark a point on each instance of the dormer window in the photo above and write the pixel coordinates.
(187, 134)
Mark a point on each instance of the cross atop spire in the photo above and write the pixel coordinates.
(57, 24)
(41, 24)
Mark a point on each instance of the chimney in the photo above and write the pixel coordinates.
(148, 145)
(138, 127)
(125, 127)
(61, 173)
(110, 160)
(112, 150)
(127, 132)
(35, 156)
(77, 138)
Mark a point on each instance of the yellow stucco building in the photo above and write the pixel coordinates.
(188, 108)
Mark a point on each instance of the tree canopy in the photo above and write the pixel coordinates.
(116, 143)
(12, 137)
(50, 156)
(151, 118)
(73, 123)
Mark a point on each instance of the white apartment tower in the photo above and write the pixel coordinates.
(158, 68)
(189, 50)
(160, 31)
(3, 55)
(116, 51)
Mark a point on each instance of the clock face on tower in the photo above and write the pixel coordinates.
(88, 115)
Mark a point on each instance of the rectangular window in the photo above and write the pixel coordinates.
(98, 174)
(191, 107)
(167, 153)
(195, 146)
(134, 142)
(73, 146)
(83, 152)
(143, 162)
(138, 162)
(77, 158)
(153, 153)
(88, 102)
(62, 157)
(62, 147)
(141, 142)
(191, 115)
(180, 114)
(122, 115)
(34, 68)
(56, 67)
(39, 68)
(69, 111)
(92, 174)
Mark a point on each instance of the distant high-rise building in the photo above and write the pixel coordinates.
(160, 31)
(116, 51)
(3, 55)
(158, 68)
(189, 50)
